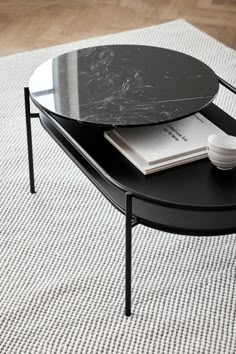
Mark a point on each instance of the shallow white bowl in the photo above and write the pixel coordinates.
(222, 151)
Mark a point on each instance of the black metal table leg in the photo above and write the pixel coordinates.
(28, 117)
(128, 261)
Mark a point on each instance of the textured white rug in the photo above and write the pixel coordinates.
(62, 249)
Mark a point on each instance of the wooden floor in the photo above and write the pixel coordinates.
(29, 24)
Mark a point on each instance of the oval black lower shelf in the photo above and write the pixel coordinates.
(159, 214)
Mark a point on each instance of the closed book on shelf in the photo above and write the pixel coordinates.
(154, 148)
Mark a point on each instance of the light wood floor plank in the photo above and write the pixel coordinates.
(30, 24)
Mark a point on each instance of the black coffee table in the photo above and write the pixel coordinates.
(87, 91)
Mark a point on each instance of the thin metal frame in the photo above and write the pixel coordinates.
(28, 116)
(227, 85)
(128, 252)
(130, 220)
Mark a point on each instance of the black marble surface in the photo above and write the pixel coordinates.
(123, 85)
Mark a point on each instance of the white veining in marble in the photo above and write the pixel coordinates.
(124, 85)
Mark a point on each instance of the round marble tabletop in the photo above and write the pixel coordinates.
(123, 85)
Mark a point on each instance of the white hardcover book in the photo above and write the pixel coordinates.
(155, 148)
(148, 169)
(169, 140)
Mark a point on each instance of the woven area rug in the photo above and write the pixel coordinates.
(62, 249)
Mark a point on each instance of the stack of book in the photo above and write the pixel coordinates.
(158, 147)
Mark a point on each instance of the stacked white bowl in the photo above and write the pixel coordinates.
(222, 151)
